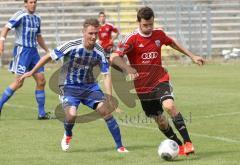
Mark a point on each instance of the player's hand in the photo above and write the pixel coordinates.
(131, 73)
(112, 105)
(198, 60)
(118, 110)
(25, 75)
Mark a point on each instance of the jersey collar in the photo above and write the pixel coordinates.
(143, 35)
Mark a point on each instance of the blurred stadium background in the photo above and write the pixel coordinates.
(208, 27)
(207, 96)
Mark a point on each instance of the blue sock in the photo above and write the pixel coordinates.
(5, 96)
(68, 128)
(40, 97)
(115, 131)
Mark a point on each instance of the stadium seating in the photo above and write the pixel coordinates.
(62, 20)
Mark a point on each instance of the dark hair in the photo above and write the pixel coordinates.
(25, 1)
(91, 21)
(145, 13)
(101, 13)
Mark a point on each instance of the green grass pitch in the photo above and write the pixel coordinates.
(208, 97)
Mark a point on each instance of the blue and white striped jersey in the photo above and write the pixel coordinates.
(27, 27)
(79, 62)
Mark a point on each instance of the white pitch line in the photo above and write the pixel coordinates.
(21, 106)
(215, 137)
(199, 117)
(194, 134)
(218, 115)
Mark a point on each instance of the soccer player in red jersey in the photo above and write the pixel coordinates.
(143, 49)
(106, 39)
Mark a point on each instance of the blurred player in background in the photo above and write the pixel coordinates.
(79, 83)
(107, 34)
(27, 26)
(143, 49)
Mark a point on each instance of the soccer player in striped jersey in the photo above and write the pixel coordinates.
(27, 25)
(143, 49)
(79, 82)
(107, 34)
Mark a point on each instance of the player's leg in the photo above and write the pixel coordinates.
(40, 95)
(70, 117)
(153, 108)
(177, 119)
(9, 91)
(179, 123)
(40, 85)
(70, 105)
(167, 101)
(17, 66)
(94, 98)
(103, 109)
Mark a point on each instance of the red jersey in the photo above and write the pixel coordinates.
(144, 54)
(105, 34)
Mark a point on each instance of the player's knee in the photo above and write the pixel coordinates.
(70, 118)
(106, 113)
(41, 82)
(169, 106)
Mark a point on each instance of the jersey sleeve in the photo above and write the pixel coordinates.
(61, 51)
(104, 65)
(114, 29)
(39, 28)
(125, 46)
(167, 40)
(15, 20)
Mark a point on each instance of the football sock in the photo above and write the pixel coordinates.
(5, 96)
(40, 97)
(181, 127)
(115, 131)
(68, 128)
(171, 135)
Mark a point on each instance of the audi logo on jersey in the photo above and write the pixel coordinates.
(149, 55)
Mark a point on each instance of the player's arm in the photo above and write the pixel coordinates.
(42, 43)
(196, 59)
(3, 37)
(107, 81)
(115, 59)
(115, 35)
(13, 22)
(45, 59)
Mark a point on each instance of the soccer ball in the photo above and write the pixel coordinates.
(168, 150)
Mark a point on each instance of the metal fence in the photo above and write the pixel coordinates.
(187, 22)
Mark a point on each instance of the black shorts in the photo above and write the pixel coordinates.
(152, 102)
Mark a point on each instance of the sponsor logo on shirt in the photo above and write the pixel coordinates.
(149, 55)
